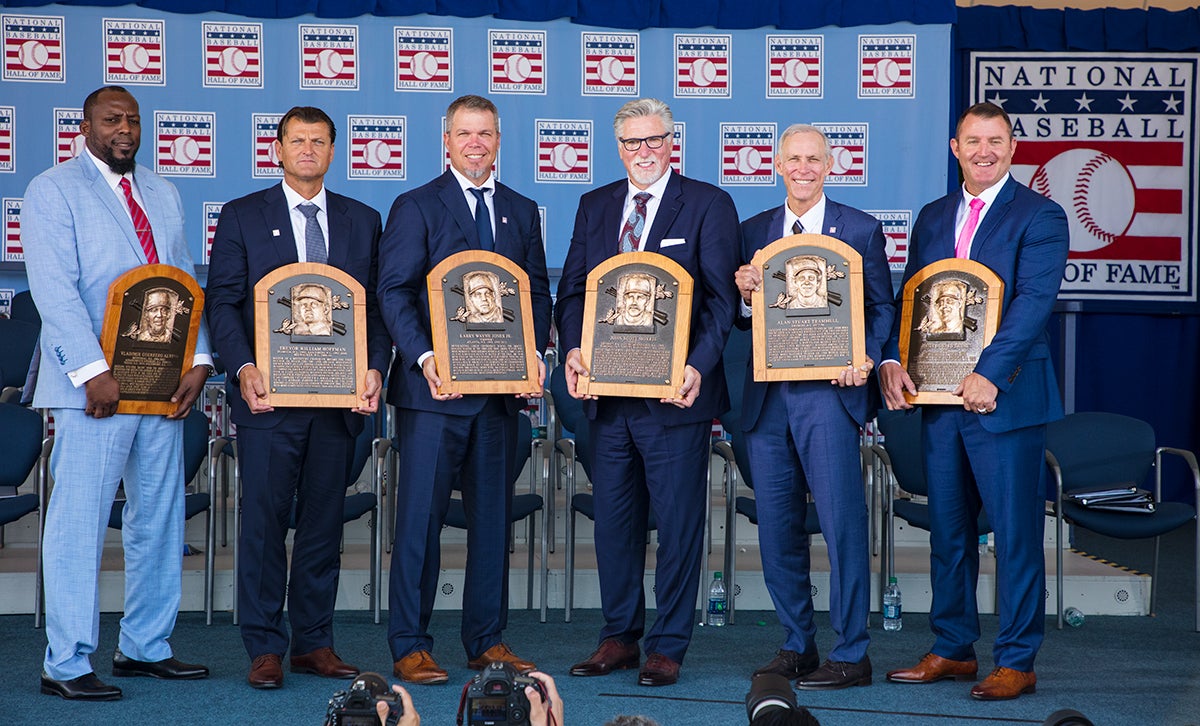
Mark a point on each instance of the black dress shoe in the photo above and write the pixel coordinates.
(84, 688)
(833, 675)
(790, 664)
(169, 669)
(658, 671)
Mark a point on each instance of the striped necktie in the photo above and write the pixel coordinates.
(314, 239)
(141, 224)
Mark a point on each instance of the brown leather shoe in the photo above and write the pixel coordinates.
(936, 668)
(612, 655)
(323, 662)
(419, 667)
(658, 671)
(1004, 684)
(500, 653)
(266, 671)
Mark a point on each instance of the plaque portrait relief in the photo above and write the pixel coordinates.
(634, 310)
(156, 324)
(946, 310)
(311, 320)
(482, 308)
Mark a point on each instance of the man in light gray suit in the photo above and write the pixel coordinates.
(86, 222)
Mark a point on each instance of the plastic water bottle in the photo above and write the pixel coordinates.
(718, 602)
(891, 606)
(1073, 617)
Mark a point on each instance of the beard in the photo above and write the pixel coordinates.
(119, 166)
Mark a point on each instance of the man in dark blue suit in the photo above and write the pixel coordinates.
(652, 454)
(989, 452)
(448, 442)
(803, 436)
(291, 454)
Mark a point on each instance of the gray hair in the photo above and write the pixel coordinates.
(794, 129)
(640, 107)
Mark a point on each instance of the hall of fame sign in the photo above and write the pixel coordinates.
(232, 55)
(564, 151)
(610, 64)
(517, 61)
(794, 66)
(329, 57)
(68, 142)
(8, 123)
(184, 143)
(133, 52)
(1112, 138)
(264, 131)
(424, 59)
(34, 48)
(747, 151)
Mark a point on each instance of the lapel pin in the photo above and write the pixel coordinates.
(504, 220)
(833, 230)
(274, 233)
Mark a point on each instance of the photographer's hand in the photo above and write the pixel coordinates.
(548, 712)
(410, 717)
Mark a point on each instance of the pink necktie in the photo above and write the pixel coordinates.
(962, 248)
(141, 224)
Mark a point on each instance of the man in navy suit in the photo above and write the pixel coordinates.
(291, 454)
(803, 436)
(989, 452)
(87, 221)
(444, 441)
(652, 454)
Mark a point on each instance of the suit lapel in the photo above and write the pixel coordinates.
(993, 218)
(109, 199)
(456, 204)
(943, 237)
(153, 204)
(341, 226)
(278, 221)
(611, 219)
(505, 235)
(668, 209)
(832, 224)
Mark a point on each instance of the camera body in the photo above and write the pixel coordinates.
(356, 707)
(496, 697)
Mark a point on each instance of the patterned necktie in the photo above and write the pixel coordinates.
(797, 228)
(962, 248)
(141, 224)
(314, 240)
(631, 233)
(483, 221)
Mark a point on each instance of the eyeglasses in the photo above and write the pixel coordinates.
(653, 142)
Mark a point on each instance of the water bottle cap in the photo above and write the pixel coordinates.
(717, 575)
(891, 581)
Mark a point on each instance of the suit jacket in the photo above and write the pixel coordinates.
(704, 218)
(424, 227)
(865, 234)
(78, 239)
(253, 237)
(1023, 238)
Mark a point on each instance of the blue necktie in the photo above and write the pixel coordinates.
(314, 240)
(483, 221)
(797, 228)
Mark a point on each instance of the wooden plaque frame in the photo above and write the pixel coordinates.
(602, 281)
(129, 348)
(494, 338)
(844, 283)
(273, 287)
(979, 286)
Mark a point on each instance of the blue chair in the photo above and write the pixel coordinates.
(24, 309)
(195, 452)
(1087, 450)
(18, 338)
(21, 448)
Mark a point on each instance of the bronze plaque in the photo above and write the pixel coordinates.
(950, 312)
(310, 326)
(149, 335)
(807, 315)
(481, 317)
(637, 316)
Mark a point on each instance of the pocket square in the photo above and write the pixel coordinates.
(672, 242)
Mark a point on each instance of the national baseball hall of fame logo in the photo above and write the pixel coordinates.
(13, 252)
(68, 142)
(564, 151)
(265, 128)
(8, 122)
(885, 66)
(329, 57)
(212, 214)
(33, 48)
(133, 52)
(1111, 138)
(702, 65)
(424, 59)
(233, 55)
(184, 143)
(848, 147)
(746, 151)
(794, 66)
(610, 64)
(896, 226)
(677, 155)
(518, 61)
(376, 147)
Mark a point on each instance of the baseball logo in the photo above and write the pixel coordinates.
(232, 61)
(33, 54)
(329, 63)
(747, 160)
(517, 68)
(184, 150)
(702, 72)
(77, 143)
(134, 58)
(842, 160)
(564, 157)
(610, 70)
(889, 247)
(886, 72)
(795, 72)
(272, 154)
(377, 153)
(423, 65)
(1095, 189)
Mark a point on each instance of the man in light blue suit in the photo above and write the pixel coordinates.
(80, 235)
(989, 452)
(803, 436)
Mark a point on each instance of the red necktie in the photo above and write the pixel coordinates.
(962, 248)
(141, 224)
